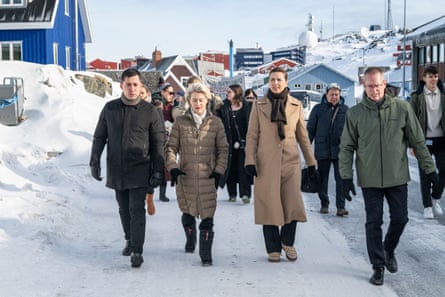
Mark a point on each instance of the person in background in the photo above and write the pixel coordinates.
(181, 105)
(235, 115)
(166, 102)
(145, 93)
(428, 102)
(133, 132)
(276, 130)
(379, 130)
(151, 209)
(199, 139)
(325, 126)
(250, 95)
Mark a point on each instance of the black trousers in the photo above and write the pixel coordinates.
(190, 221)
(132, 213)
(237, 175)
(274, 236)
(324, 167)
(397, 198)
(437, 151)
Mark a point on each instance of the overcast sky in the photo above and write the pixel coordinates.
(125, 29)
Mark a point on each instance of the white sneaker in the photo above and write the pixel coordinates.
(428, 213)
(436, 207)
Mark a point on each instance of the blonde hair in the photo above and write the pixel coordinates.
(197, 88)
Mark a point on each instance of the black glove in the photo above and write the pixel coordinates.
(251, 170)
(312, 171)
(156, 179)
(436, 184)
(95, 172)
(217, 177)
(175, 172)
(348, 186)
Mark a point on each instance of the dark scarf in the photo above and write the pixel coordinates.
(129, 102)
(278, 113)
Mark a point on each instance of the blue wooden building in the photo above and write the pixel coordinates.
(45, 32)
(317, 77)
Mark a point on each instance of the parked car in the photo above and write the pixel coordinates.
(309, 99)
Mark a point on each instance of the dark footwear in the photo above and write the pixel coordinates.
(136, 260)
(164, 199)
(205, 247)
(162, 190)
(377, 276)
(190, 234)
(324, 209)
(232, 199)
(126, 251)
(341, 212)
(390, 262)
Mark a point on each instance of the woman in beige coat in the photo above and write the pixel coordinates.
(199, 139)
(276, 129)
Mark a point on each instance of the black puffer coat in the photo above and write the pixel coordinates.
(325, 132)
(229, 127)
(134, 135)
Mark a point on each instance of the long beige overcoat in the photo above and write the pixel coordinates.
(198, 152)
(277, 195)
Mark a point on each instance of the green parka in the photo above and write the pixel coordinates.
(380, 136)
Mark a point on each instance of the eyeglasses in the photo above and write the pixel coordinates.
(171, 93)
(373, 86)
(250, 97)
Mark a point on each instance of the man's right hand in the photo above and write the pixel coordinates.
(175, 172)
(348, 186)
(95, 172)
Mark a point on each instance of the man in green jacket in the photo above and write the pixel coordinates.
(379, 130)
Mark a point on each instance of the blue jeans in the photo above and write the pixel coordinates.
(397, 198)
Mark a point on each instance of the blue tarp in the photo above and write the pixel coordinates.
(6, 102)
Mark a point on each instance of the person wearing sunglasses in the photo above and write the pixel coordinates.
(166, 103)
(250, 95)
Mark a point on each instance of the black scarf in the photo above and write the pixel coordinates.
(278, 113)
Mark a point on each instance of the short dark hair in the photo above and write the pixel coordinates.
(279, 69)
(129, 72)
(430, 70)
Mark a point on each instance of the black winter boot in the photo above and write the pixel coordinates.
(190, 234)
(377, 276)
(126, 251)
(162, 190)
(205, 247)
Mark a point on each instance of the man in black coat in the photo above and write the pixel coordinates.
(325, 126)
(134, 133)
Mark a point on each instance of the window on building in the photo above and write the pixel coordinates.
(307, 87)
(56, 53)
(442, 52)
(11, 51)
(67, 7)
(12, 3)
(428, 54)
(184, 80)
(297, 86)
(421, 52)
(67, 58)
(434, 53)
(319, 87)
